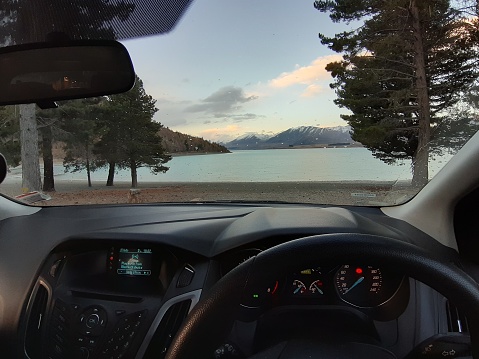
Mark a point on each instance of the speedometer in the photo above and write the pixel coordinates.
(360, 285)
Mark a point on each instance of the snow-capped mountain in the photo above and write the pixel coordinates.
(345, 129)
(311, 135)
(292, 137)
(248, 135)
(245, 142)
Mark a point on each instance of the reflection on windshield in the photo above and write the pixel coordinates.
(365, 115)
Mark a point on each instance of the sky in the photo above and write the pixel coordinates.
(232, 67)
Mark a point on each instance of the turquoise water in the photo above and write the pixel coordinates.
(289, 165)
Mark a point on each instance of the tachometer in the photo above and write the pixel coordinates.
(360, 285)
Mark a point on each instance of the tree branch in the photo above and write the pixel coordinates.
(390, 60)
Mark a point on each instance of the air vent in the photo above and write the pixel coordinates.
(456, 320)
(167, 329)
(36, 319)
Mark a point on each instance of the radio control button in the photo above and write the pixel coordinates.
(92, 321)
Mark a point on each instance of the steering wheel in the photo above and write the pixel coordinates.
(211, 319)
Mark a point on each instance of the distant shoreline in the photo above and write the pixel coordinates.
(179, 154)
(297, 147)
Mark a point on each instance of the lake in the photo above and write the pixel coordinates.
(286, 165)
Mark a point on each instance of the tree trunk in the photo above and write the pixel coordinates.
(421, 157)
(134, 175)
(47, 154)
(111, 173)
(31, 178)
(88, 171)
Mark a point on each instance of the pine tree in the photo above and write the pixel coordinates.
(80, 133)
(131, 138)
(31, 178)
(402, 69)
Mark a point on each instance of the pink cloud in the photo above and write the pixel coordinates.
(221, 132)
(305, 75)
(312, 90)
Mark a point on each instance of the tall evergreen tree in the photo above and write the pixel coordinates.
(402, 68)
(46, 132)
(48, 123)
(80, 126)
(31, 177)
(131, 138)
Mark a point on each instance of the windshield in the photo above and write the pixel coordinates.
(289, 101)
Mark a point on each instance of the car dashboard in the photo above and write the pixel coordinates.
(118, 282)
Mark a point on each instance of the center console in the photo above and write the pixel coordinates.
(109, 302)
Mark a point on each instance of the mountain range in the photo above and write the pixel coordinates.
(303, 136)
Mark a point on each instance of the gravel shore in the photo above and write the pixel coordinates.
(338, 193)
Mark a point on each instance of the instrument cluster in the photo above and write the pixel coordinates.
(360, 285)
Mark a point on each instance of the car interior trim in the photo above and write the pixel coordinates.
(9, 209)
(40, 283)
(194, 296)
(431, 210)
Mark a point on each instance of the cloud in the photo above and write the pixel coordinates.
(312, 90)
(226, 99)
(222, 133)
(161, 101)
(305, 75)
(238, 117)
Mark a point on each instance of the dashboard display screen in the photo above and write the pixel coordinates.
(134, 261)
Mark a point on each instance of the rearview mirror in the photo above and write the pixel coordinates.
(46, 72)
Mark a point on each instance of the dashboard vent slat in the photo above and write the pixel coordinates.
(36, 319)
(169, 325)
(456, 320)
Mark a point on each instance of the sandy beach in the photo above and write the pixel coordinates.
(340, 193)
